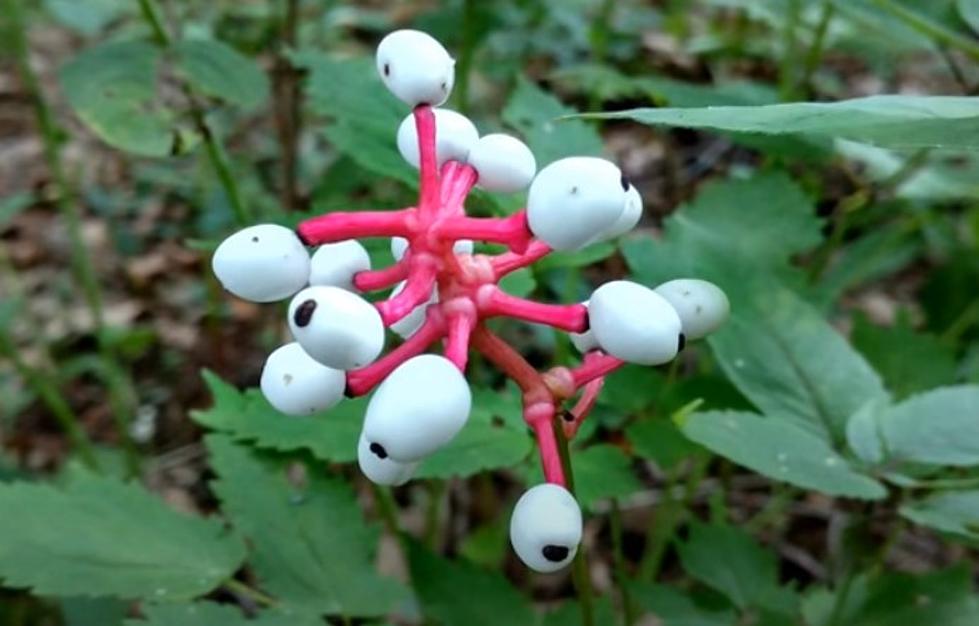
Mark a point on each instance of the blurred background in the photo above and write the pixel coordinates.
(126, 156)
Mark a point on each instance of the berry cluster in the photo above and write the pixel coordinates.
(442, 291)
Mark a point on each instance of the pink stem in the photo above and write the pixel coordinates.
(511, 231)
(573, 419)
(340, 226)
(460, 328)
(550, 458)
(508, 262)
(428, 200)
(596, 365)
(417, 291)
(372, 280)
(570, 317)
(458, 179)
(361, 381)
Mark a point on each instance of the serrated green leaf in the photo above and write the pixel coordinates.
(457, 593)
(673, 608)
(311, 548)
(480, 446)
(211, 614)
(954, 512)
(219, 71)
(534, 113)
(774, 447)
(123, 542)
(905, 122)
(112, 88)
(247, 416)
(899, 352)
(938, 427)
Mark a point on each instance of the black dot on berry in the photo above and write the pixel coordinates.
(681, 342)
(624, 181)
(304, 313)
(443, 86)
(567, 416)
(387, 69)
(255, 239)
(555, 554)
(379, 450)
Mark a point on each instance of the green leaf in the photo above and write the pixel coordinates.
(728, 560)
(939, 427)
(533, 113)
(211, 614)
(94, 611)
(519, 283)
(659, 440)
(330, 436)
(673, 608)
(123, 542)
(457, 593)
(955, 512)
(112, 88)
(906, 122)
(569, 614)
(969, 12)
(863, 433)
(601, 472)
(219, 71)
(776, 448)
(88, 18)
(311, 548)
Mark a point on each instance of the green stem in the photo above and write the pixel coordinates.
(791, 44)
(240, 588)
(579, 573)
(436, 489)
(839, 604)
(670, 512)
(782, 497)
(815, 54)
(618, 557)
(464, 67)
(387, 508)
(961, 324)
(928, 28)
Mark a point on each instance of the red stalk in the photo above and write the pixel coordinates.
(570, 317)
(361, 381)
(372, 280)
(335, 227)
(428, 200)
(512, 231)
(508, 262)
(417, 291)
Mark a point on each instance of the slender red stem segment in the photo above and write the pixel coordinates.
(511, 231)
(341, 226)
(372, 280)
(418, 290)
(428, 200)
(596, 365)
(361, 381)
(570, 317)
(571, 420)
(460, 327)
(508, 262)
(458, 179)
(550, 457)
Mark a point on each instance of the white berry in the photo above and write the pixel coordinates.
(454, 137)
(379, 467)
(262, 263)
(545, 528)
(415, 67)
(634, 323)
(409, 324)
(337, 328)
(701, 305)
(399, 245)
(295, 384)
(334, 264)
(504, 163)
(418, 408)
(630, 215)
(584, 342)
(574, 201)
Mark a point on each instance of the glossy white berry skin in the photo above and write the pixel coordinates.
(504, 163)
(409, 324)
(634, 323)
(415, 67)
(630, 216)
(295, 384)
(399, 245)
(418, 408)
(545, 528)
(454, 137)
(701, 305)
(584, 342)
(382, 471)
(262, 263)
(575, 201)
(337, 328)
(334, 264)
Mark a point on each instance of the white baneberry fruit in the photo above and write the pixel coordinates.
(584, 342)
(701, 305)
(630, 215)
(634, 323)
(415, 67)
(399, 245)
(418, 408)
(575, 201)
(409, 324)
(504, 163)
(545, 528)
(454, 136)
(262, 263)
(379, 467)
(337, 328)
(295, 384)
(334, 264)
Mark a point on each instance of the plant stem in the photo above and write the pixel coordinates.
(670, 512)
(815, 53)
(787, 68)
(464, 67)
(288, 112)
(240, 588)
(436, 489)
(615, 523)
(930, 29)
(580, 573)
(839, 604)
